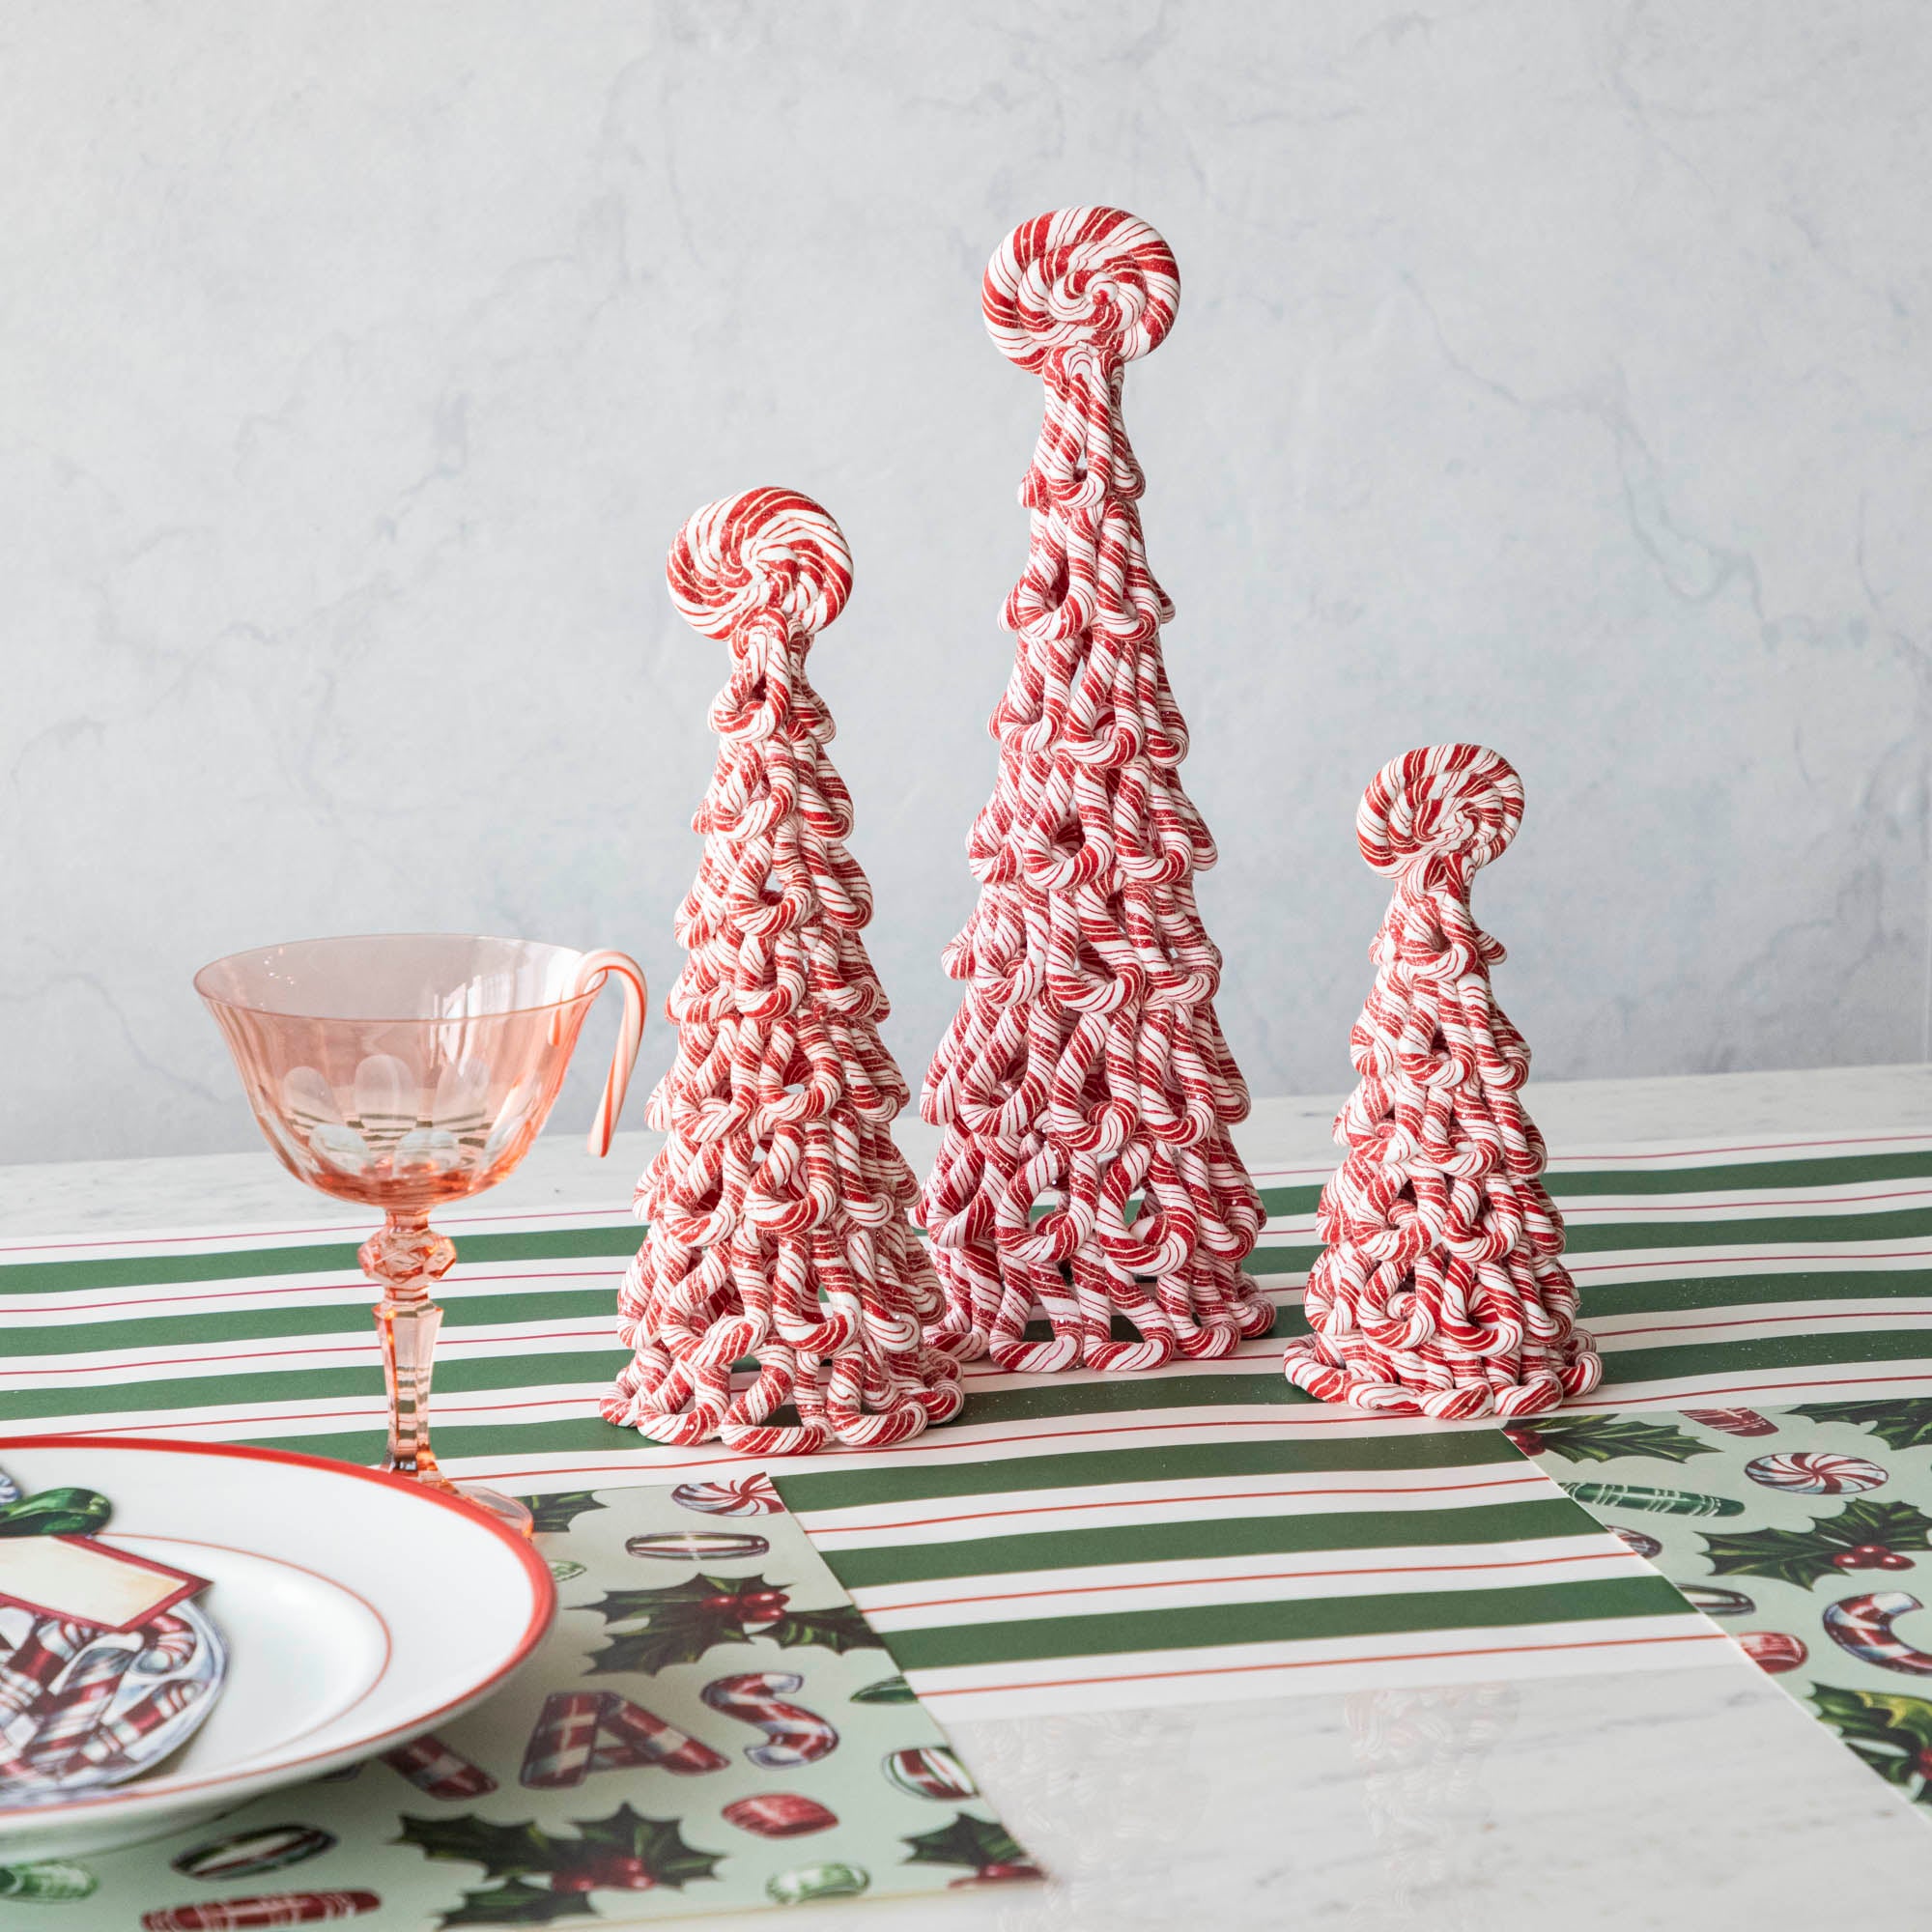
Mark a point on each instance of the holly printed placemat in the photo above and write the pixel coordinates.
(710, 1725)
(1807, 1531)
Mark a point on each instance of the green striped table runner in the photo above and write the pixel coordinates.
(1201, 1532)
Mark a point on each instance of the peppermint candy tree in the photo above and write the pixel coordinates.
(778, 1207)
(1087, 1173)
(1440, 1292)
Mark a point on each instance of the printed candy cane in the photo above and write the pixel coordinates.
(437, 1771)
(70, 1712)
(793, 1735)
(1862, 1626)
(582, 1731)
(644, 1738)
(115, 1735)
(256, 1914)
(34, 1665)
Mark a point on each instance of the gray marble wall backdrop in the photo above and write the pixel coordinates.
(1556, 375)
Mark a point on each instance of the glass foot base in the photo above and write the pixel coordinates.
(507, 1509)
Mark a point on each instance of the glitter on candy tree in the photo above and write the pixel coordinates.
(1441, 1291)
(1086, 1091)
(778, 1207)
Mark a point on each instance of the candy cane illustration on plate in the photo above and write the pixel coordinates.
(1862, 1626)
(1817, 1475)
(793, 1735)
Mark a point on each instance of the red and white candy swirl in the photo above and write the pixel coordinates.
(766, 550)
(1817, 1473)
(1097, 280)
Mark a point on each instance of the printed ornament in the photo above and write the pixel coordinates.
(1440, 1292)
(778, 1207)
(1084, 1087)
(106, 1667)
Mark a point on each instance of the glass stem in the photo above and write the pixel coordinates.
(406, 1258)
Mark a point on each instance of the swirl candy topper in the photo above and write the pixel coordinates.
(1084, 279)
(763, 551)
(1440, 1292)
(1440, 813)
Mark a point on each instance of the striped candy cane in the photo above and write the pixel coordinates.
(793, 1735)
(1862, 1626)
(582, 1731)
(437, 1771)
(1086, 1171)
(1440, 1292)
(777, 1205)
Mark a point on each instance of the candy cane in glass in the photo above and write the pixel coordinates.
(402, 1071)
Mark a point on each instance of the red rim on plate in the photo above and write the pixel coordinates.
(542, 1584)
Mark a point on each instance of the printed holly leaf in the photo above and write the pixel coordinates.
(976, 1842)
(682, 1621)
(562, 1509)
(887, 1690)
(656, 1841)
(520, 1903)
(1898, 1425)
(839, 1629)
(1601, 1438)
(1890, 1732)
(1802, 1557)
(624, 1851)
(503, 1851)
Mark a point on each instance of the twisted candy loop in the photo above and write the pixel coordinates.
(1081, 278)
(1084, 1085)
(1440, 1290)
(1457, 805)
(777, 1204)
(760, 551)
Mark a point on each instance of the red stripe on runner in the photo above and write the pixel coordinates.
(357, 1344)
(1919, 1314)
(1741, 1207)
(462, 1278)
(1268, 1576)
(1139, 1501)
(1322, 1663)
(1701, 1260)
(1694, 1396)
(1585, 1160)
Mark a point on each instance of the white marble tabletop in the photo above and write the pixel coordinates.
(1701, 1798)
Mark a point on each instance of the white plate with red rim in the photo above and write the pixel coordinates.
(358, 1609)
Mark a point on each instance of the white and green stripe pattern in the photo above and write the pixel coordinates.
(1201, 1530)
